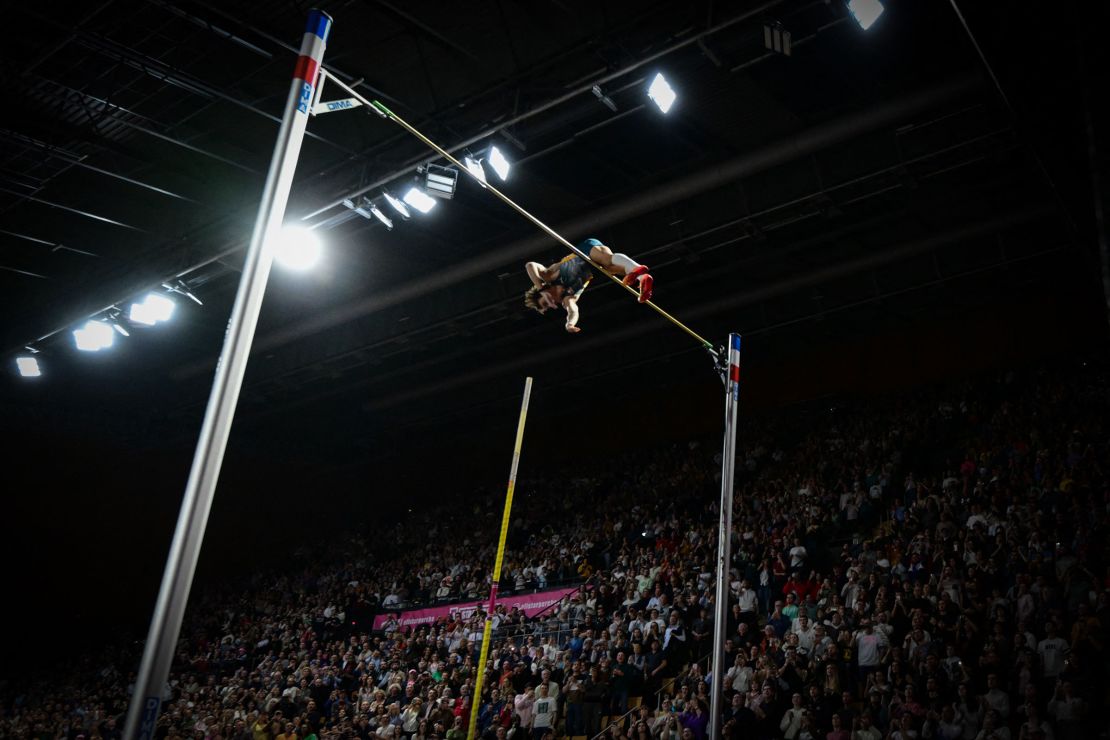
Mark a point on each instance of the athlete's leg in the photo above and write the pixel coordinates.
(622, 265)
(615, 264)
(626, 264)
(603, 256)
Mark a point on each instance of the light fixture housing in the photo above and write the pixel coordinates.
(419, 200)
(866, 12)
(440, 181)
(297, 248)
(93, 336)
(498, 162)
(474, 167)
(385, 220)
(28, 367)
(661, 93)
(182, 288)
(397, 205)
(154, 308)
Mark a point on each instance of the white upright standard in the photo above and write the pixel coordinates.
(165, 625)
(724, 535)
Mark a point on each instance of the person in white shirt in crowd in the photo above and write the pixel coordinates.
(523, 705)
(544, 712)
(798, 555)
(1053, 651)
(871, 648)
(791, 721)
(804, 629)
(748, 601)
(996, 699)
(1068, 710)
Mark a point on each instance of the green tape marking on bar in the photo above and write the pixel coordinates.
(381, 108)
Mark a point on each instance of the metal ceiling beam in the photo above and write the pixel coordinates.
(167, 73)
(586, 88)
(70, 209)
(106, 105)
(46, 54)
(209, 26)
(426, 29)
(54, 246)
(79, 161)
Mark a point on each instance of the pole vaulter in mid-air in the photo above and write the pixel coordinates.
(623, 272)
(562, 284)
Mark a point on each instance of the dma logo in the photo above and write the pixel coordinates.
(306, 97)
(149, 717)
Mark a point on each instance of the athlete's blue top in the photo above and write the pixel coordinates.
(574, 272)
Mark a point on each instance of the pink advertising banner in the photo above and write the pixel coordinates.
(530, 604)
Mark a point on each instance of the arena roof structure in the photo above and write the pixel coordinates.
(813, 182)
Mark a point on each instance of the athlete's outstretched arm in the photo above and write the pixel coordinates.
(570, 303)
(535, 273)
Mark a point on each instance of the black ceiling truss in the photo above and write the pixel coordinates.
(784, 196)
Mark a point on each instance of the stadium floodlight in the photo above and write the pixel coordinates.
(420, 200)
(475, 168)
(865, 12)
(377, 213)
(297, 248)
(398, 206)
(28, 367)
(93, 336)
(154, 308)
(498, 162)
(440, 181)
(661, 93)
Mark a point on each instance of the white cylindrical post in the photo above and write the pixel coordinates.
(724, 535)
(177, 579)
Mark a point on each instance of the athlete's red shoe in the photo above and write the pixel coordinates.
(646, 284)
(635, 274)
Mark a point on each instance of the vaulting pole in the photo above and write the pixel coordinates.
(475, 700)
(177, 579)
(724, 535)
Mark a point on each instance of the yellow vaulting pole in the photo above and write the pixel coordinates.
(476, 698)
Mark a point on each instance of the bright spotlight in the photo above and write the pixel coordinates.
(397, 205)
(420, 200)
(154, 308)
(661, 93)
(865, 12)
(93, 336)
(28, 367)
(498, 162)
(297, 248)
(119, 329)
(475, 168)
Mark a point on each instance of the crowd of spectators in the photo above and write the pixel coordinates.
(931, 566)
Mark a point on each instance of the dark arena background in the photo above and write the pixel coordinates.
(899, 205)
